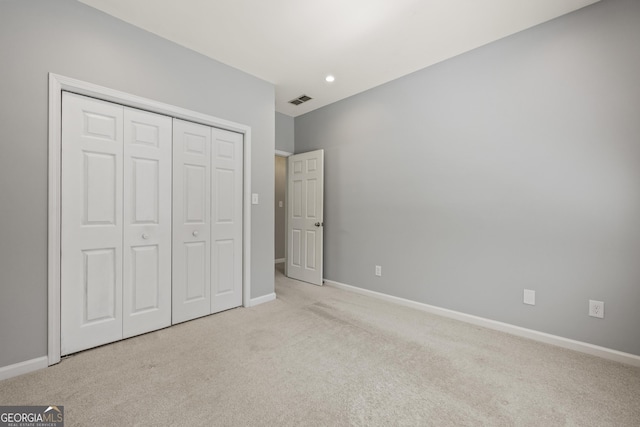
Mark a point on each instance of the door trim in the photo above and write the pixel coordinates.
(57, 84)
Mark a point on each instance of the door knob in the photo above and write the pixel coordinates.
(145, 236)
(318, 224)
(195, 233)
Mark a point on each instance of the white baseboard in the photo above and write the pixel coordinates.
(583, 347)
(279, 260)
(261, 300)
(23, 367)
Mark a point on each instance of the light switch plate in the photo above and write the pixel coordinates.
(529, 297)
(254, 199)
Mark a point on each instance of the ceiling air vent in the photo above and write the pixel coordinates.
(299, 100)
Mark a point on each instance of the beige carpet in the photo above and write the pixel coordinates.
(323, 356)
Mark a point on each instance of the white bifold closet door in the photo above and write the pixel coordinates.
(207, 220)
(226, 219)
(191, 221)
(116, 222)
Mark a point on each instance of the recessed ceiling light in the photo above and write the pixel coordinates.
(330, 79)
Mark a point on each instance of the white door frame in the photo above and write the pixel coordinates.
(57, 84)
(285, 154)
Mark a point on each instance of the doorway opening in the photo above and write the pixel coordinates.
(280, 210)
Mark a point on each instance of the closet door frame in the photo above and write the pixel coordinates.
(58, 84)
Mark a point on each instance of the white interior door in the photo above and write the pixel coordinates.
(226, 220)
(305, 192)
(126, 265)
(147, 222)
(191, 221)
(91, 225)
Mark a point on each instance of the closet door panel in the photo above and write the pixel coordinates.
(91, 238)
(191, 221)
(152, 213)
(227, 214)
(147, 222)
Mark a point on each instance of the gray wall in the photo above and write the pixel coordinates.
(69, 38)
(280, 212)
(514, 166)
(284, 133)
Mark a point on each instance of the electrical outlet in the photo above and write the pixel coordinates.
(596, 309)
(378, 270)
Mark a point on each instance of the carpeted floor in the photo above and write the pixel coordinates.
(324, 356)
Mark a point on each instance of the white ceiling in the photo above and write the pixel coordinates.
(294, 44)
